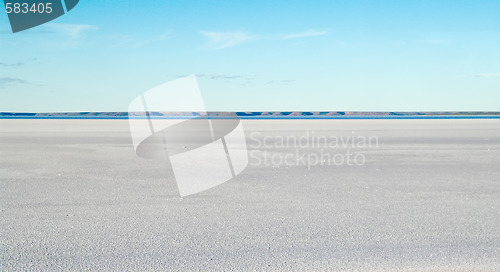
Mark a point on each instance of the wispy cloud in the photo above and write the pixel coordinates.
(16, 64)
(68, 35)
(220, 40)
(73, 31)
(144, 42)
(218, 76)
(8, 81)
(117, 40)
(487, 75)
(130, 41)
(20, 63)
(224, 77)
(305, 34)
(245, 79)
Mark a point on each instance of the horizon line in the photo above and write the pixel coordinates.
(256, 115)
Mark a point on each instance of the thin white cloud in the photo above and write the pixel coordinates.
(131, 41)
(17, 64)
(220, 76)
(117, 40)
(73, 31)
(20, 63)
(158, 38)
(220, 40)
(305, 34)
(216, 76)
(487, 75)
(7, 81)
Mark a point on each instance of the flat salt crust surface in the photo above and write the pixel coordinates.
(74, 196)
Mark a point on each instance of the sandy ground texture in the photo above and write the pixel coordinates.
(424, 197)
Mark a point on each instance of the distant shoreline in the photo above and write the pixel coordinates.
(253, 115)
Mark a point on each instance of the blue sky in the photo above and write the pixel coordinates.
(259, 55)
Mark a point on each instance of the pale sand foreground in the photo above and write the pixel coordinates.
(74, 196)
